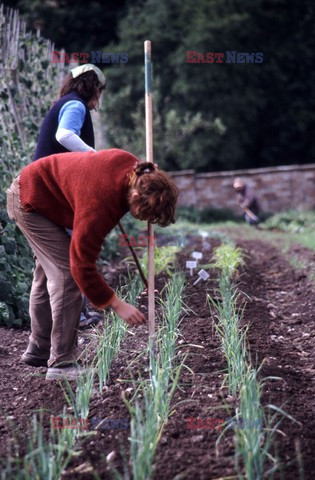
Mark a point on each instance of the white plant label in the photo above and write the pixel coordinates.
(191, 264)
(196, 255)
(203, 275)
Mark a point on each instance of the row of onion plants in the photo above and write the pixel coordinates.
(254, 426)
(150, 406)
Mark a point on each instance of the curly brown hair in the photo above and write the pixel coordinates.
(153, 195)
(87, 85)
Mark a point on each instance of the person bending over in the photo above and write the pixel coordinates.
(88, 192)
(247, 201)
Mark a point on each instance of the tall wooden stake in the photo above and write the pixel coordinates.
(149, 158)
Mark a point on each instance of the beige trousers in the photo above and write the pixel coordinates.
(55, 299)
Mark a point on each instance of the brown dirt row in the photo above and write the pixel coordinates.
(281, 319)
(280, 315)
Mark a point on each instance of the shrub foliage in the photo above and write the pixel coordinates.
(28, 82)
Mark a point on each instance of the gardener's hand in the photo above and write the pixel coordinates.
(127, 312)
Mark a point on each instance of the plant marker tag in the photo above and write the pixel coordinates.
(203, 275)
(196, 255)
(206, 245)
(191, 264)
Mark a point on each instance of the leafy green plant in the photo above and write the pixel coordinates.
(227, 258)
(28, 81)
(164, 260)
(16, 263)
(293, 221)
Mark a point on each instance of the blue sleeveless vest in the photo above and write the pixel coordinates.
(47, 143)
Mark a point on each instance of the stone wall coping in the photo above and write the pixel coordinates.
(247, 172)
(182, 172)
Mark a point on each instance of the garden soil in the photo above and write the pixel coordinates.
(280, 314)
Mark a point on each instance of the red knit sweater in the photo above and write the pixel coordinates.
(88, 193)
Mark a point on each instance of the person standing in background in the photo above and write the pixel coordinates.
(247, 201)
(68, 127)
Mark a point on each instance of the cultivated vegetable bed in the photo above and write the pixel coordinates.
(191, 389)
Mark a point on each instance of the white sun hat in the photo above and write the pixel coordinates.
(87, 67)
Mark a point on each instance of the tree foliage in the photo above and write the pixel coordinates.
(206, 116)
(75, 25)
(218, 116)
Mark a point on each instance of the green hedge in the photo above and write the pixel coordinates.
(206, 215)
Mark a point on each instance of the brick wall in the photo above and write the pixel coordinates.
(277, 188)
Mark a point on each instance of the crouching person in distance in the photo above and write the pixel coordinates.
(89, 193)
(247, 201)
